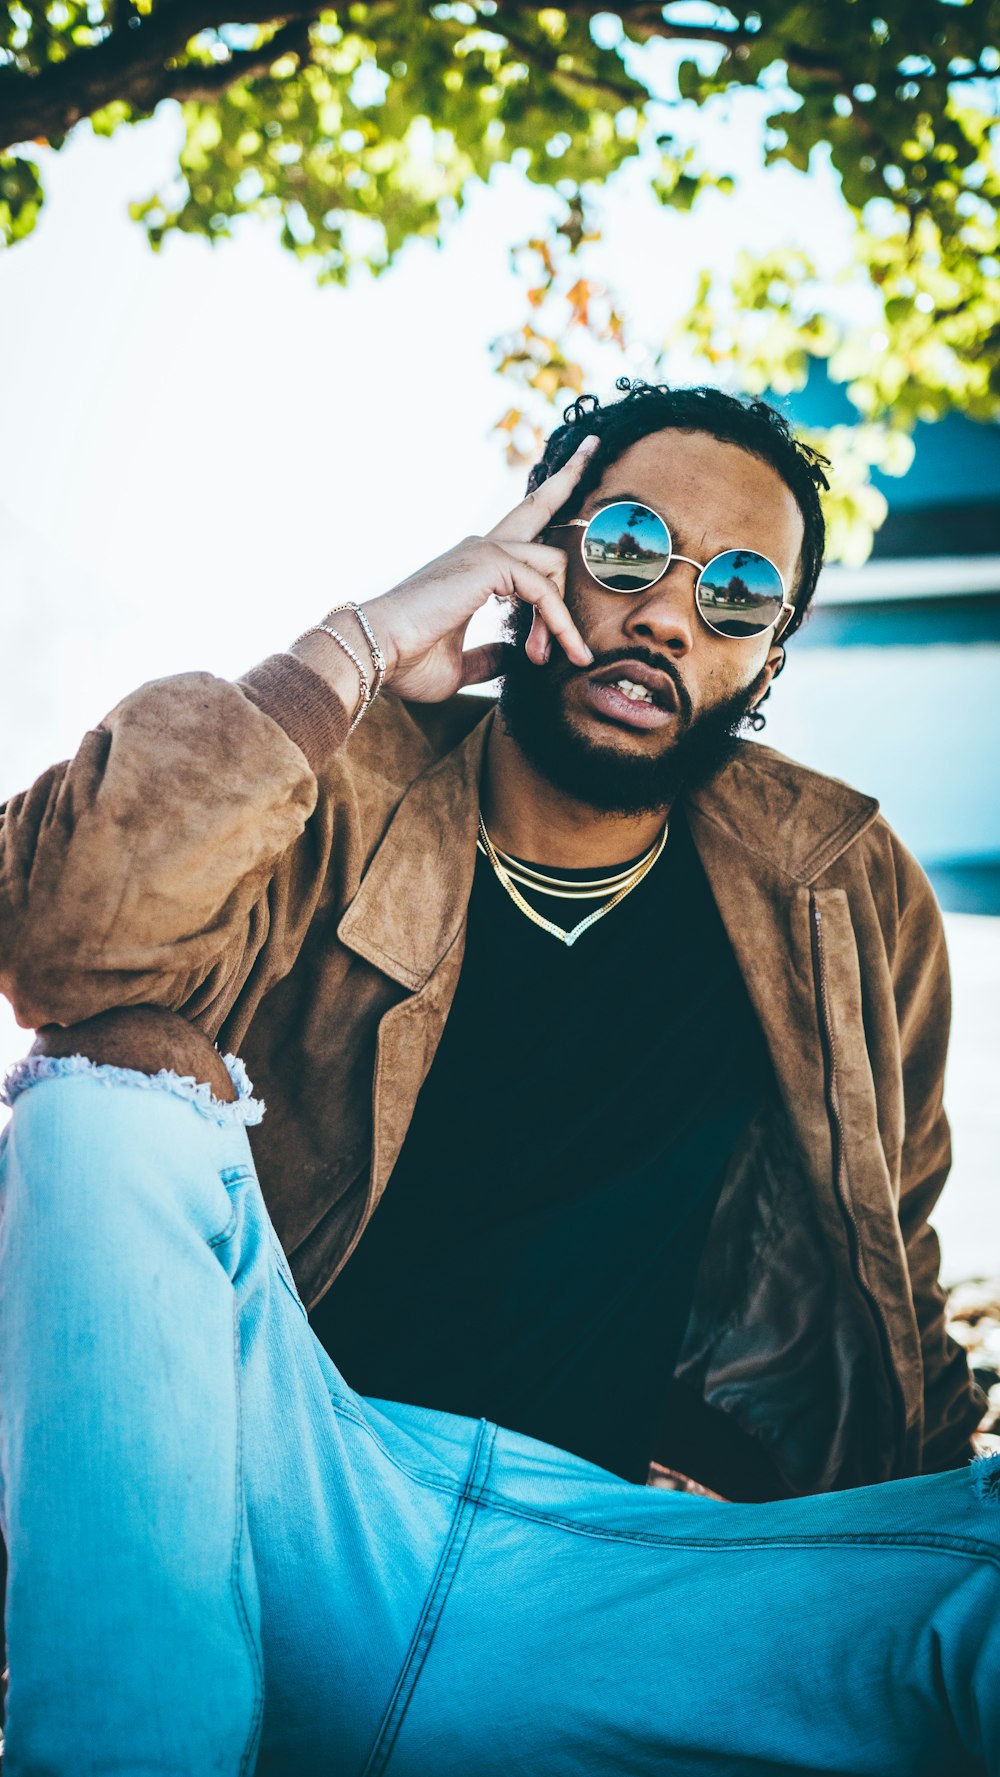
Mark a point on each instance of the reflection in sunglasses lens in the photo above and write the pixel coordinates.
(740, 593)
(626, 547)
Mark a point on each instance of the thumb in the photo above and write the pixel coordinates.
(486, 662)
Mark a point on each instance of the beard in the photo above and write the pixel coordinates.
(608, 778)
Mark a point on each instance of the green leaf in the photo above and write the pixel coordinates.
(21, 198)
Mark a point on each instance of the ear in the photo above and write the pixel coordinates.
(773, 665)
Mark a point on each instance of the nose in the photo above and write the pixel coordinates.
(664, 616)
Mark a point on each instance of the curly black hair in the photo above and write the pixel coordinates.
(754, 425)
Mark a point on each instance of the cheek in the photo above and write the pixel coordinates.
(599, 615)
(734, 665)
(583, 597)
(723, 670)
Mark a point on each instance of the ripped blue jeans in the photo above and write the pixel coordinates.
(224, 1560)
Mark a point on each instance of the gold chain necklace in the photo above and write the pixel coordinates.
(596, 888)
(633, 877)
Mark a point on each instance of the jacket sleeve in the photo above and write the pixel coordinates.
(953, 1404)
(143, 870)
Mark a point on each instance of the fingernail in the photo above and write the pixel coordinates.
(589, 444)
(589, 654)
(546, 651)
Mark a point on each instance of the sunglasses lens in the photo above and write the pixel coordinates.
(740, 593)
(626, 547)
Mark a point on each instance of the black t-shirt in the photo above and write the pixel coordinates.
(533, 1258)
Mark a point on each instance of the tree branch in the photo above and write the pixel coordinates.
(143, 59)
(644, 20)
(207, 82)
(650, 20)
(131, 65)
(541, 56)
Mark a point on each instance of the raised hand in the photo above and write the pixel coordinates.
(421, 623)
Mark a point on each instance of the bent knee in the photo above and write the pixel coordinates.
(147, 1038)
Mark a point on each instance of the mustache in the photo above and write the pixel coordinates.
(642, 657)
(561, 670)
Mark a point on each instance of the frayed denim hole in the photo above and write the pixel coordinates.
(986, 1478)
(244, 1110)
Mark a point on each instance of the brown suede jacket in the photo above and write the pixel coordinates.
(218, 848)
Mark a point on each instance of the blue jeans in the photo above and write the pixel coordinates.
(222, 1559)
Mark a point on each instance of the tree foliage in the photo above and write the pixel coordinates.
(363, 126)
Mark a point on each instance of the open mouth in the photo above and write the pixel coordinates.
(638, 697)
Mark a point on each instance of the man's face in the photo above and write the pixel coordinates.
(630, 758)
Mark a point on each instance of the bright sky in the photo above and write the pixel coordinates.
(199, 448)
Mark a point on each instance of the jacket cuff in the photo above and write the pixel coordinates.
(301, 702)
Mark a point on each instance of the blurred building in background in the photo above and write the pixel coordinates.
(894, 682)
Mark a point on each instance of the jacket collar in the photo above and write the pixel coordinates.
(794, 820)
(412, 902)
(411, 905)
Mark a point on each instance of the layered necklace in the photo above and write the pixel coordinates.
(513, 875)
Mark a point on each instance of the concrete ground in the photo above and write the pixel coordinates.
(968, 1216)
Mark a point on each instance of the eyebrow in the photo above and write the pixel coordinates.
(596, 501)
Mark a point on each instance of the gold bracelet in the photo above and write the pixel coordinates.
(335, 635)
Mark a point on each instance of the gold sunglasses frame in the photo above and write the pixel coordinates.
(779, 623)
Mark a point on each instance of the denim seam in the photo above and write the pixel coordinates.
(240, 1174)
(936, 1542)
(229, 1177)
(440, 1483)
(232, 1177)
(249, 1759)
(435, 1601)
(929, 1541)
(227, 1232)
(284, 1275)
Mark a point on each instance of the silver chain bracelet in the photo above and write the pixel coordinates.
(378, 658)
(370, 688)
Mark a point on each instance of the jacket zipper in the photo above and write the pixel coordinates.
(837, 1132)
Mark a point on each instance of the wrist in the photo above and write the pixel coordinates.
(339, 650)
(381, 626)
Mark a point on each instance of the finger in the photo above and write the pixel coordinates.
(535, 589)
(552, 563)
(533, 513)
(489, 661)
(542, 556)
(538, 646)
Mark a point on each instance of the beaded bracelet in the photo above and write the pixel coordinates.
(378, 658)
(369, 689)
(335, 635)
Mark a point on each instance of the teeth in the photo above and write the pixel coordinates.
(637, 693)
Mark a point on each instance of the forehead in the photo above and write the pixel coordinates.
(716, 495)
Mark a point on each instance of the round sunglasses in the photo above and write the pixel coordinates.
(627, 548)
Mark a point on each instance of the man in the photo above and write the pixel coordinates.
(672, 1181)
(642, 1028)
(577, 1091)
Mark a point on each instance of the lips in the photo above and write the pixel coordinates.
(624, 711)
(601, 692)
(660, 686)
